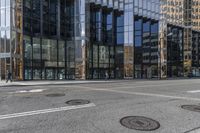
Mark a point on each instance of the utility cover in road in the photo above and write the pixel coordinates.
(56, 95)
(139, 123)
(78, 102)
(195, 108)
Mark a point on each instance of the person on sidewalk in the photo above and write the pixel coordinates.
(9, 76)
(106, 75)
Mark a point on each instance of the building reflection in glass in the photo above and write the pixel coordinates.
(146, 48)
(48, 45)
(175, 55)
(106, 45)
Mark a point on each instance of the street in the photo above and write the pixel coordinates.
(162, 105)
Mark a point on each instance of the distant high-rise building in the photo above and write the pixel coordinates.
(195, 14)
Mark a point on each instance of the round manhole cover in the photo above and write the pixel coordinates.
(195, 108)
(139, 123)
(78, 102)
(55, 95)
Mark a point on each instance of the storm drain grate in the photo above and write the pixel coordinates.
(78, 102)
(195, 108)
(56, 95)
(140, 123)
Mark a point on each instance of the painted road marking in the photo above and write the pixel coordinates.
(195, 130)
(156, 85)
(194, 91)
(45, 111)
(29, 91)
(151, 94)
(144, 94)
(37, 90)
(138, 86)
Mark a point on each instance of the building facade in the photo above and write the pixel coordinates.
(95, 39)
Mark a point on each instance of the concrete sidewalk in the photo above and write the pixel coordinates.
(71, 82)
(67, 82)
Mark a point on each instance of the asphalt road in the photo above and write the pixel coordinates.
(30, 109)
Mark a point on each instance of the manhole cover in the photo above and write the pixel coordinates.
(195, 108)
(77, 102)
(55, 95)
(139, 123)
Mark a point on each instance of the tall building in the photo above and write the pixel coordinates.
(61, 39)
(181, 18)
(89, 39)
(195, 14)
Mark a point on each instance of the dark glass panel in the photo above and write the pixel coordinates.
(36, 58)
(120, 38)
(49, 58)
(154, 28)
(61, 60)
(175, 52)
(138, 41)
(146, 26)
(36, 9)
(36, 27)
(27, 58)
(70, 56)
(138, 24)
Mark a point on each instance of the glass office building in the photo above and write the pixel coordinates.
(141, 29)
(89, 39)
(61, 39)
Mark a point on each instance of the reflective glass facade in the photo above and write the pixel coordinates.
(105, 43)
(141, 30)
(48, 39)
(182, 15)
(98, 39)
(11, 49)
(175, 55)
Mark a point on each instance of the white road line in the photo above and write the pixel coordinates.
(150, 94)
(157, 85)
(45, 111)
(195, 130)
(28, 91)
(144, 94)
(194, 91)
(141, 93)
(139, 86)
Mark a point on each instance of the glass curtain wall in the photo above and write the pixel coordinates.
(48, 39)
(119, 48)
(36, 61)
(49, 59)
(128, 39)
(28, 56)
(195, 54)
(106, 25)
(67, 33)
(141, 40)
(81, 38)
(5, 34)
(145, 48)
(96, 28)
(175, 52)
(138, 56)
(154, 50)
(11, 39)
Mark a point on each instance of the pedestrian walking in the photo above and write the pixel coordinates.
(106, 75)
(9, 77)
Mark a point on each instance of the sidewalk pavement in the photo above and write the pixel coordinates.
(53, 82)
(73, 82)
